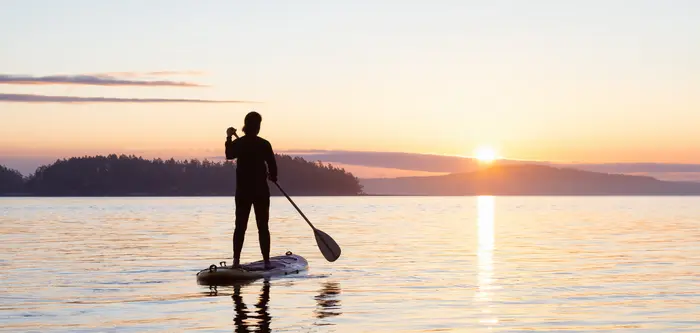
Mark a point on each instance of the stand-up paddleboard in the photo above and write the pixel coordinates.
(225, 275)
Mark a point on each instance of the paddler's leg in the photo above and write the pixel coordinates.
(262, 216)
(242, 213)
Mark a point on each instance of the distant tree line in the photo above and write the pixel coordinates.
(124, 175)
(11, 181)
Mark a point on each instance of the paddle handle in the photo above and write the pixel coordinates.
(288, 198)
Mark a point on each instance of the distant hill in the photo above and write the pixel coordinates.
(123, 175)
(528, 180)
(377, 164)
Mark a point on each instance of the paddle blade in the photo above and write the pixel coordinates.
(329, 248)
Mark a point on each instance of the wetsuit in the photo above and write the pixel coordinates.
(252, 152)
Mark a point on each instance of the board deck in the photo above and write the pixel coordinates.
(225, 275)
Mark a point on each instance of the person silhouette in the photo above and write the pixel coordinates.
(252, 153)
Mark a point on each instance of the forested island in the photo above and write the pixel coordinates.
(130, 175)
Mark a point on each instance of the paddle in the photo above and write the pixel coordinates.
(328, 247)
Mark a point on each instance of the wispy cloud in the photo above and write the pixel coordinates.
(28, 98)
(105, 79)
(394, 160)
(637, 167)
(147, 74)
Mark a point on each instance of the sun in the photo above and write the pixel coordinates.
(485, 154)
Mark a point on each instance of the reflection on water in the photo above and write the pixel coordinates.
(328, 301)
(259, 318)
(486, 242)
(487, 264)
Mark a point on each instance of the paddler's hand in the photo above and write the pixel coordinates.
(272, 178)
(230, 131)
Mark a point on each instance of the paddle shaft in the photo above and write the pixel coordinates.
(295, 206)
(288, 198)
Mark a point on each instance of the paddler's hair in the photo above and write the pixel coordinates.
(252, 123)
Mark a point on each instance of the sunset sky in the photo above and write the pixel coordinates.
(583, 81)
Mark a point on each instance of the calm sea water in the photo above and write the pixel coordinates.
(409, 264)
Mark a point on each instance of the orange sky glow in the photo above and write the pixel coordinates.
(521, 79)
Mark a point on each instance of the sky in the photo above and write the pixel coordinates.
(564, 81)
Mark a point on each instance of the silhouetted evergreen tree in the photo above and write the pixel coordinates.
(11, 181)
(114, 175)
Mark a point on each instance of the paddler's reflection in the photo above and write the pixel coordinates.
(328, 301)
(260, 318)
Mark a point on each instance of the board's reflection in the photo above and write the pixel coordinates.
(258, 318)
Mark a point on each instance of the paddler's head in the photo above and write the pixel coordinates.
(252, 123)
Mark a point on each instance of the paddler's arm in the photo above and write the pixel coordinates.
(230, 144)
(271, 163)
